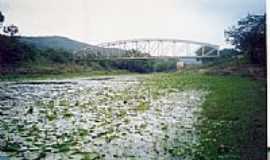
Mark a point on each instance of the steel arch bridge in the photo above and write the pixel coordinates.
(152, 48)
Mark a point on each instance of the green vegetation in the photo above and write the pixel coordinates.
(249, 36)
(55, 42)
(91, 156)
(234, 115)
(147, 66)
(143, 106)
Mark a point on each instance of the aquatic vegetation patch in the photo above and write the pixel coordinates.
(143, 106)
(120, 118)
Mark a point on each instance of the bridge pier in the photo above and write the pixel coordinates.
(180, 65)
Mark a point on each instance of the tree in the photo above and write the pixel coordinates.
(12, 30)
(249, 36)
(136, 53)
(2, 18)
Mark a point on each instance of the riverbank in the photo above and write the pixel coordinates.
(233, 124)
(63, 75)
(186, 115)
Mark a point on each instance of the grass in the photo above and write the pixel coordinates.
(234, 123)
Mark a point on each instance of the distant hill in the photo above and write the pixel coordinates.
(55, 42)
(58, 42)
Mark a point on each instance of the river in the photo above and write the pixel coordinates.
(113, 117)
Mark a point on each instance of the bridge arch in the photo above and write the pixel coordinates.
(153, 48)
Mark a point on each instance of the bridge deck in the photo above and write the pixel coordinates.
(155, 57)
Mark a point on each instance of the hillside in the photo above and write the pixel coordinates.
(55, 42)
(69, 45)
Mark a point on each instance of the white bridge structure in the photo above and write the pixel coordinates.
(152, 49)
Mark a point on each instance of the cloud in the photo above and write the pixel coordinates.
(100, 20)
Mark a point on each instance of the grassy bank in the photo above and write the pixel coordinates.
(233, 122)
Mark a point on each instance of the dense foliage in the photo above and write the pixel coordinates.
(11, 52)
(249, 36)
(14, 53)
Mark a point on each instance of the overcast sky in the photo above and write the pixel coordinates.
(95, 21)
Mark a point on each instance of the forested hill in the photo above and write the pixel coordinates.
(55, 42)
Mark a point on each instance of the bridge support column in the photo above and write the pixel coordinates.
(180, 65)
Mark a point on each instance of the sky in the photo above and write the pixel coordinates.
(95, 21)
